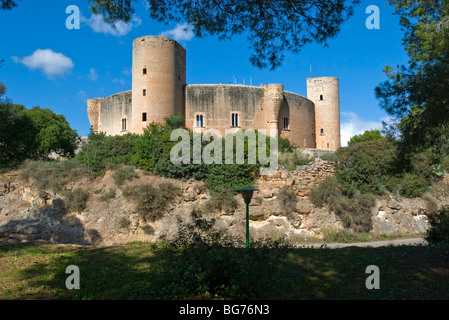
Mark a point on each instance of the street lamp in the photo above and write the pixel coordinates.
(247, 194)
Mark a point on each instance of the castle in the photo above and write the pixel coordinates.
(159, 90)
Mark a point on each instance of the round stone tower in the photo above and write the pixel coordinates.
(324, 93)
(274, 95)
(93, 112)
(158, 80)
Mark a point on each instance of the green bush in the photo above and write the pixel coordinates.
(366, 165)
(153, 154)
(438, 233)
(76, 200)
(103, 152)
(378, 167)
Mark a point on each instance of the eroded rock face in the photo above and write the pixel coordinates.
(28, 215)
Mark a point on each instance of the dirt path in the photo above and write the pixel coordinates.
(373, 244)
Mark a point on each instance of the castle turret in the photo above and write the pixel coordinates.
(324, 93)
(158, 80)
(274, 95)
(93, 112)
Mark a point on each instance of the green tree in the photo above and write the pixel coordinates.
(368, 135)
(418, 93)
(271, 26)
(53, 133)
(16, 133)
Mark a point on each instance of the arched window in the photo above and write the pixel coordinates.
(321, 97)
(144, 71)
(322, 132)
(124, 124)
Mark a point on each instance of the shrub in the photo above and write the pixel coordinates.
(110, 194)
(293, 159)
(151, 203)
(326, 191)
(438, 233)
(344, 236)
(222, 200)
(354, 210)
(53, 175)
(103, 152)
(287, 200)
(366, 165)
(379, 166)
(124, 223)
(124, 173)
(147, 229)
(76, 200)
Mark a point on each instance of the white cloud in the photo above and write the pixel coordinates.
(182, 32)
(118, 29)
(354, 125)
(127, 71)
(93, 75)
(50, 62)
(118, 80)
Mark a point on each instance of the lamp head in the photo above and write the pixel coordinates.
(247, 193)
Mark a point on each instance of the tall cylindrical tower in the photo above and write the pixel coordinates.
(274, 95)
(158, 80)
(324, 93)
(93, 112)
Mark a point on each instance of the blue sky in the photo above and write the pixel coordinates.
(53, 67)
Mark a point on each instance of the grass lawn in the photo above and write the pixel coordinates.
(140, 271)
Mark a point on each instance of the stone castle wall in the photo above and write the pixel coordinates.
(160, 90)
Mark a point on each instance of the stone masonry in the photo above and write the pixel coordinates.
(159, 89)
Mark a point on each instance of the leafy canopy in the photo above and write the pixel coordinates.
(418, 94)
(271, 26)
(368, 135)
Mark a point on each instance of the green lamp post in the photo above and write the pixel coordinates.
(247, 194)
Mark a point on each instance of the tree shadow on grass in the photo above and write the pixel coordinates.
(50, 224)
(151, 272)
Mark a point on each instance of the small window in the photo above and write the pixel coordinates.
(144, 116)
(322, 132)
(234, 119)
(321, 97)
(144, 92)
(286, 123)
(199, 121)
(144, 71)
(124, 124)
(179, 77)
(328, 145)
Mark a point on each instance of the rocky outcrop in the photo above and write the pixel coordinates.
(29, 215)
